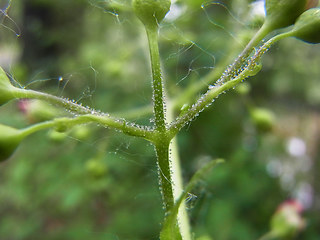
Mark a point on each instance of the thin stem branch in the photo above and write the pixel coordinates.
(226, 81)
(234, 68)
(86, 114)
(62, 102)
(106, 121)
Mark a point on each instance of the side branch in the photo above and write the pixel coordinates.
(252, 68)
(67, 104)
(65, 123)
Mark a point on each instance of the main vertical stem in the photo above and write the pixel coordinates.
(162, 151)
(162, 143)
(158, 95)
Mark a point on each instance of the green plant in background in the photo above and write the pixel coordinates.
(168, 122)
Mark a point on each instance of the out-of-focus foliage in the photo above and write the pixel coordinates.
(104, 185)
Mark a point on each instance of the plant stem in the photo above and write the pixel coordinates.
(161, 141)
(205, 100)
(228, 81)
(158, 92)
(194, 88)
(162, 151)
(177, 182)
(83, 119)
(87, 114)
(65, 103)
(37, 127)
(241, 59)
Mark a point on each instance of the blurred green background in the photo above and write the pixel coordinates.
(95, 183)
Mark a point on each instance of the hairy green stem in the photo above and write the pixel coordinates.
(232, 70)
(176, 176)
(207, 98)
(158, 91)
(161, 141)
(225, 82)
(86, 114)
(212, 76)
(106, 121)
(61, 102)
(219, 69)
(162, 151)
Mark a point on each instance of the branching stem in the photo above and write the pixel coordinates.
(89, 118)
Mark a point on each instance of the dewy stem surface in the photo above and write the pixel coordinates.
(65, 103)
(158, 92)
(177, 182)
(161, 142)
(87, 114)
(240, 60)
(162, 151)
(223, 81)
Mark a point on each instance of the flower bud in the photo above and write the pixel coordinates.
(6, 89)
(307, 26)
(10, 138)
(263, 119)
(283, 13)
(287, 220)
(151, 12)
(96, 168)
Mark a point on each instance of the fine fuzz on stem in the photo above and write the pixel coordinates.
(157, 83)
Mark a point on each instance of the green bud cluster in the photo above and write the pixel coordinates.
(151, 12)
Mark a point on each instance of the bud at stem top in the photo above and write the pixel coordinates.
(307, 27)
(283, 13)
(151, 12)
(10, 138)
